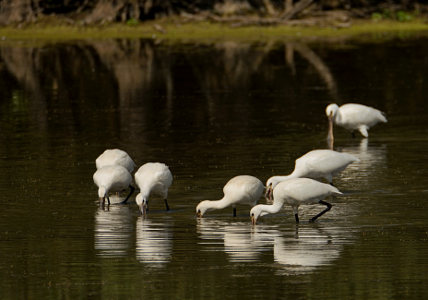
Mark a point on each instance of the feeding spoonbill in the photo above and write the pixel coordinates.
(321, 163)
(152, 178)
(352, 116)
(112, 178)
(115, 157)
(296, 192)
(242, 189)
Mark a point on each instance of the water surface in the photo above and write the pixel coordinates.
(211, 112)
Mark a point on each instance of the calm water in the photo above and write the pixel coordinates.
(210, 111)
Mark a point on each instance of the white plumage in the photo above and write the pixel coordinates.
(152, 178)
(322, 163)
(112, 178)
(296, 192)
(115, 157)
(242, 189)
(352, 116)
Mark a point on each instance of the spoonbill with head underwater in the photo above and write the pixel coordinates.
(296, 192)
(242, 189)
(152, 178)
(115, 157)
(113, 178)
(321, 163)
(353, 116)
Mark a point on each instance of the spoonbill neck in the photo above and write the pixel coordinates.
(337, 117)
(220, 204)
(294, 174)
(272, 208)
(102, 192)
(145, 190)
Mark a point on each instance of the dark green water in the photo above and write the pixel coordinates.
(210, 111)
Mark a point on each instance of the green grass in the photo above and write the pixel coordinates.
(205, 31)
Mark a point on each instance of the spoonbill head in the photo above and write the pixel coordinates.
(295, 192)
(115, 157)
(353, 116)
(153, 178)
(242, 189)
(316, 164)
(113, 178)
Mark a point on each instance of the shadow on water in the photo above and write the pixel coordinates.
(211, 112)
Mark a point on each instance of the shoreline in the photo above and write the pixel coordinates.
(173, 30)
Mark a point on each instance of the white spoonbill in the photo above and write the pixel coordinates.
(115, 157)
(152, 178)
(352, 116)
(296, 192)
(321, 163)
(242, 189)
(112, 178)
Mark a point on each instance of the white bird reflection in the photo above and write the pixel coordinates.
(309, 249)
(154, 242)
(113, 230)
(372, 159)
(296, 250)
(234, 238)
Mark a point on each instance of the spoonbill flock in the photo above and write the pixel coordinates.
(114, 168)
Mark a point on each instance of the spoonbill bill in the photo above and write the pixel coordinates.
(113, 178)
(242, 189)
(321, 163)
(152, 178)
(353, 116)
(296, 192)
(115, 157)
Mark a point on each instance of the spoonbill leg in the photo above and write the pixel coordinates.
(166, 204)
(323, 212)
(130, 193)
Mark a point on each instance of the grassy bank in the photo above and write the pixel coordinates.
(205, 31)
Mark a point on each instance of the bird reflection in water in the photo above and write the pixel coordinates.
(309, 248)
(372, 160)
(234, 238)
(113, 230)
(154, 242)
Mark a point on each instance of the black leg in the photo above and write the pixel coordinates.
(323, 212)
(130, 193)
(108, 200)
(296, 216)
(234, 211)
(166, 204)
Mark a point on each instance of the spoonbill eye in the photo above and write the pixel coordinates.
(252, 214)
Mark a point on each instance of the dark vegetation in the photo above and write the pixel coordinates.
(240, 12)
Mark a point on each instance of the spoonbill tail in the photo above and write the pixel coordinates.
(352, 116)
(115, 157)
(322, 163)
(112, 178)
(242, 189)
(296, 192)
(152, 178)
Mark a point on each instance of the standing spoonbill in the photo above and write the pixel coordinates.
(152, 178)
(242, 189)
(112, 178)
(115, 157)
(352, 116)
(296, 192)
(321, 163)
